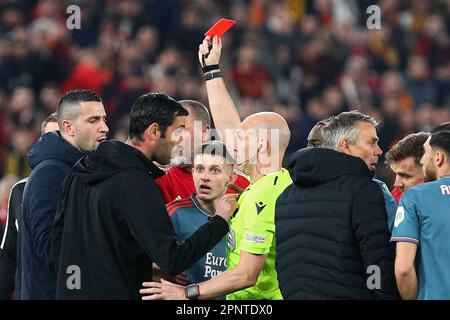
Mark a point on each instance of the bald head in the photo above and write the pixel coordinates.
(261, 141)
(273, 123)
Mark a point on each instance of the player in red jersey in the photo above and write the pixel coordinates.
(177, 183)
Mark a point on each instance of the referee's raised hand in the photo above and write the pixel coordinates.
(209, 51)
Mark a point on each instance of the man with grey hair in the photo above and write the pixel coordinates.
(346, 126)
(331, 232)
(354, 133)
(82, 127)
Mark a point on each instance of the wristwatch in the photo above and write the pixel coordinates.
(192, 291)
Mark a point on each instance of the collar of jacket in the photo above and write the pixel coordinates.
(315, 166)
(52, 145)
(152, 169)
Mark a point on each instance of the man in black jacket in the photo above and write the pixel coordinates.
(8, 248)
(112, 223)
(331, 231)
(81, 119)
(10, 260)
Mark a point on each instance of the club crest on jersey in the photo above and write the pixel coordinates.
(399, 216)
(231, 241)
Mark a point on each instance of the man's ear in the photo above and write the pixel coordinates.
(344, 146)
(152, 133)
(206, 133)
(439, 158)
(263, 145)
(68, 128)
(233, 177)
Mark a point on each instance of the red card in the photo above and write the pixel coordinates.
(220, 27)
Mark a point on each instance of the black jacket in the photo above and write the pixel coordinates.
(51, 158)
(9, 257)
(112, 224)
(331, 225)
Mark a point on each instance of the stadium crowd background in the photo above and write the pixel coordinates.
(305, 59)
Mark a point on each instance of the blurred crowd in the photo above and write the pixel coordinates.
(305, 59)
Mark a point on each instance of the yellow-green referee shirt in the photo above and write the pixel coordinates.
(252, 230)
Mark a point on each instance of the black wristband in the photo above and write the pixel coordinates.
(212, 67)
(213, 75)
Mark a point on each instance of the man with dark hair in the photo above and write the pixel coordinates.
(404, 161)
(422, 227)
(82, 122)
(331, 224)
(10, 260)
(82, 119)
(177, 183)
(315, 136)
(112, 223)
(445, 126)
(397, 192)
(212, 171)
